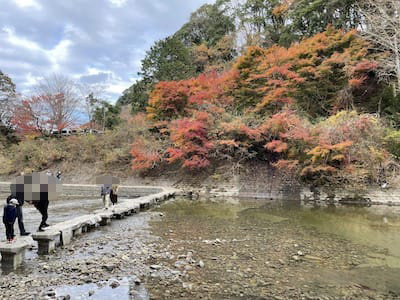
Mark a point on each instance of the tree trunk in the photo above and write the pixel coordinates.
(397, 57)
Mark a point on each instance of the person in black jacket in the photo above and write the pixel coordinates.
(114, 194)
(9, 217)
(42, 206)
(20, 216)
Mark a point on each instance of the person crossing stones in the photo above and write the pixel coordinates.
(20, 216)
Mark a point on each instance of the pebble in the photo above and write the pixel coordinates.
(155, 267)
(114, 284)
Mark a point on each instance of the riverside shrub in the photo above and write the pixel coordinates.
(288, 107)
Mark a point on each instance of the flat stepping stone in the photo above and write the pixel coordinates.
(12, 254)
(62, 233)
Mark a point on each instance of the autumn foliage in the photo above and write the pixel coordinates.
(41, 114)
(266, 106)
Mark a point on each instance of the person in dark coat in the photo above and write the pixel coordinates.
(114, 194)
(9, 217)
(20, 216)
(42, 206)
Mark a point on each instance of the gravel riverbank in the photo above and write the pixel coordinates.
(106, 256)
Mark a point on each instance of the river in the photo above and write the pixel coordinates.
(284, 250)
(219, 249)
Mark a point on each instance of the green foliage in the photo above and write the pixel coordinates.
(177, 57)
(107, 115)
(388, 105)
(136, 95)
(207, 25)
(392, 140)
(263, 26)
(309, 17)
(168, 59)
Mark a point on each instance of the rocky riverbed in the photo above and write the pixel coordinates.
(110, 257)
(247, 251)
(223, 250)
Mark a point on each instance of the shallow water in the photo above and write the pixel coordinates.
(371, 226)
(343, 246)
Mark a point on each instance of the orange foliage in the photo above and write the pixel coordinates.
(143, 157)
(288, 166)
(270, 79)
(175, 99)
(253, 110)
(190, 143)
(277, 146)
(168, 100)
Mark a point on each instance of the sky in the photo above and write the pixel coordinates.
(92, 41)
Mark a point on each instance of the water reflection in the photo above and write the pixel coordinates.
(112, 289)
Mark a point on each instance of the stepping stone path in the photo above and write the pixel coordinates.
(61, 234)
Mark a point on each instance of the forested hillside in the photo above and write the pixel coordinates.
(307, 87)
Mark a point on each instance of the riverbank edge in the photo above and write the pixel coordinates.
(256, 185)
(368, 197)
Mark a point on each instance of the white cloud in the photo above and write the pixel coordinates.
(31, 80)
(27, 4)
(118, 3)
(118, 87)
(13, 39)
(59, 54)
(105, 46)
(56, 55)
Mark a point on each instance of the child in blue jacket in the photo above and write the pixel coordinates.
(9, 217)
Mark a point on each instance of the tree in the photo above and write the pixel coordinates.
(60, 98)
(7, 98)
(382, 28)
(168, 59)
(32, 116)
(177, 57)
(106, 115)
(309, 17)
(207, 25)
(137, 95)
(91, 103)
(91, 93)
(322, 74)
(260, 23)
(216, 57)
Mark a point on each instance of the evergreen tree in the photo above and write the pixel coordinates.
(207, 25)
(106, 115)
(309, 17)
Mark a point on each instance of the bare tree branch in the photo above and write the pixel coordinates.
(382, 20)
(62, 98)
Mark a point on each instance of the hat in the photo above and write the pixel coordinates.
(14, 201)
